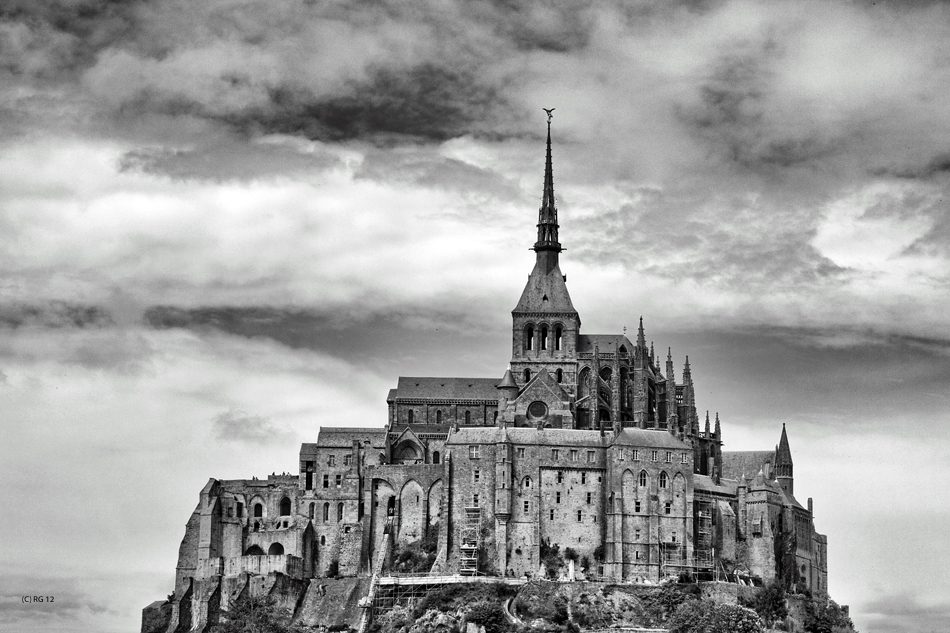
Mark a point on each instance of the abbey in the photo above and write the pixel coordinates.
(587, 441)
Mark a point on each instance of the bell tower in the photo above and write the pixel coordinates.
(545, 324)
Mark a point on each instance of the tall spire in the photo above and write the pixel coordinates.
(547, 215)
(641, 337)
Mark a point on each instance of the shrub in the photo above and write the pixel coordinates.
(709, 617)
(769, 604)
(491, 615)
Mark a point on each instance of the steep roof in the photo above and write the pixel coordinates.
(735, 464)
(526, 435)
(606, 343)
(649, 437)
(705, 483)
(545, 292)
(435, 388)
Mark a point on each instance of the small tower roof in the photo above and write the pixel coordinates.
(783, 454)
(507, 381)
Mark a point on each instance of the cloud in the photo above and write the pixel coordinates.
(237, 426)
(905, 613)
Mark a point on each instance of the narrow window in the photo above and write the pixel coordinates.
(285, 507)
(668, 508)
(580, 515)
(527, 375)
(583, 478)
(258, 510)
(230, 511)
(240, 509)
(573, 455)
(654, 455)
(589, 497)
(410, 415)
(468, 417)
(559, 375)
(435, 457)
(663, 480)
(475, 500)
(669, 457)
(326, 512)
(312, 510)
(636, 506)
(544, 337)
(339, 480)
(684, 459)
(674, 537)
(552, 514)
(520, 452)
(346, 460)
(529, 337)
(495, 416)
(331, 460)
(636, 455)
(323, 540)
(560, 477)
(257, 526)
(438, 416)
(642, 481)
(339, 512)
(527, 505)
(476, 475)
(636, 534)
(590, 457)
(557, 497)
(527, 482)
(557, 339)
(326, 481)
(554, 453)
(637, 555)
(623, 454)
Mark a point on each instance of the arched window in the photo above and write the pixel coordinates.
(312, 510)
(544, 337)
(560, 375)
(391, 506)
(558, 335)
(257, 526)
(438, 416)
(435, 457)
(275, 549)
(323, 540)
(254, 550)
(606, 373)
(642, 480)
(468, 417)
(527, 375)
(663, 480)
(526, 482)
(258, 510)
(285, 507)
(326, 512)
(529, 337)
(339, 512)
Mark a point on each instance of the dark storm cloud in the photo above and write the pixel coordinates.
(56, 314)
(238, 426)
(904, 613)
(937, 166)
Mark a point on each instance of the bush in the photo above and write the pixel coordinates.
(709, 617)
(769, 604)
(491, 615)
(256, 615)
(823, 615)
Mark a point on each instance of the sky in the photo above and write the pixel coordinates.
(224, 224)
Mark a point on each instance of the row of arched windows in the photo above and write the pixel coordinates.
(643, 479)
(558, 375)
(544, 340)
(411, 416)
(285, 507)
(326, 511)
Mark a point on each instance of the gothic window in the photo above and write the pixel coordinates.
(544, 337)
(438, 416)
(258, 510)
(339, 512)
(285, 507)
(410, 415)
(557, 337)
(642, 480)
(663, 480)
(606, 373)
(529, 337)
(559, 375)
(527, 375)
(468, 417)
(326, 512)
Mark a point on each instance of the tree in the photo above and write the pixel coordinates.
(824, 615)
(770, 604)
(694, 616)
(258, 614)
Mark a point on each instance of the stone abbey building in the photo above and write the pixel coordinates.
(587, 441)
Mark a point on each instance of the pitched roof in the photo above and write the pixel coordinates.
(649, 437)
(736, 464)
(606, 343)
(526, 435)
(435, 388)
(705, 483)
(545, 292)
(344, 436)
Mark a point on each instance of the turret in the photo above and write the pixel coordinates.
(507, 391)
(784, 472)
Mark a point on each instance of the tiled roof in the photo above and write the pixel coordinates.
(344, 436)
(545, 292)
(523, 435)
(649, 437)
(735, 464)
(705, 483)
(429, 388)
(606, 343)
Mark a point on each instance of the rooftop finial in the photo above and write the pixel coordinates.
(547, 215)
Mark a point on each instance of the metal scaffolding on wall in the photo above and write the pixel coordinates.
(470, 541)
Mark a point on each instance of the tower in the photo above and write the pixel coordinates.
(784, 472)
(545, 324)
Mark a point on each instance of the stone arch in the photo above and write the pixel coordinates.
(526, 482)
(529, 337)
(285, 507)
(679, 494)
(412, 512)
(558, 337)
(254, 550)
(606, 373)
(408, 451)
(275, 549)
(258, 508)
(435, 505)
(628, 489)
(543, 337)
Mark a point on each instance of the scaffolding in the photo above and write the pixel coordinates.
(470, 541)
